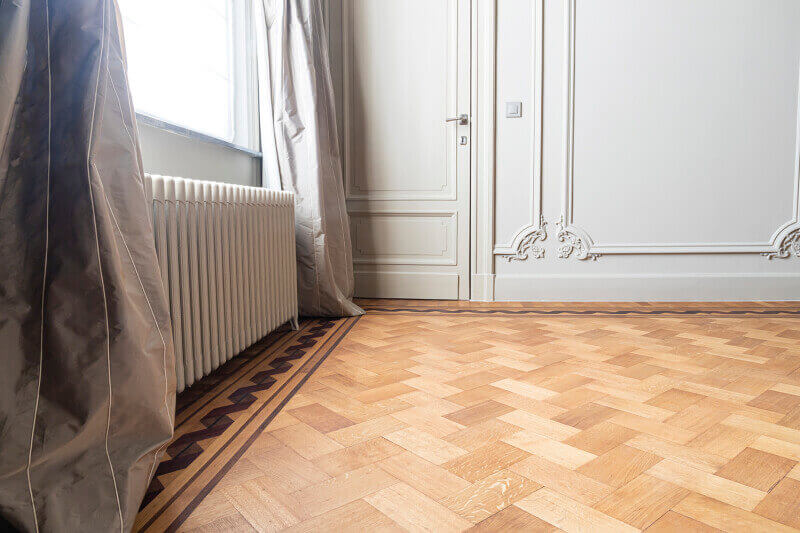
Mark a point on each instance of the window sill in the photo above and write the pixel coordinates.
(185, 132)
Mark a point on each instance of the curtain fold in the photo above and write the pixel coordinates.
(87, 390)
(301, 150)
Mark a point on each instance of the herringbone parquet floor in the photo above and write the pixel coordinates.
(443, 417)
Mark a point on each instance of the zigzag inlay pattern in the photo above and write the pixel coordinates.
(203, 388)
(187, 447)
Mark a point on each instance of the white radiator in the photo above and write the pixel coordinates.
(227, 257)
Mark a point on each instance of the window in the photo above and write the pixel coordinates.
(190, 64)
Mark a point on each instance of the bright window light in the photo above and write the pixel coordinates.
(181, 63)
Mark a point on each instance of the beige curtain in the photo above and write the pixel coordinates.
(87, 387)
(301, 150)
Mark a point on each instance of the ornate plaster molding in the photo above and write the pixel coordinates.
(526, 243)
(789, 246)
(573, 244)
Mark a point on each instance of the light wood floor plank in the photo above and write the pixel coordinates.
(356, 517)
(343, 489)
(490, 495)
(561, 479)
(428, 478)
(446, 416)
(552, 450)
(707, 484)
(726, 517)
(430, 448)
(414, 511)
(570, 515)
(642, 501)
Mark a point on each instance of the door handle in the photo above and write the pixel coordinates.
(463, 119)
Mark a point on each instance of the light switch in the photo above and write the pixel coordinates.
(513, 109)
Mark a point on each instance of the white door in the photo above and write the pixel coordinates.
(406, 70)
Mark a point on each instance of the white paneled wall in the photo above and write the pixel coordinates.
(656, 158)
(657, 154)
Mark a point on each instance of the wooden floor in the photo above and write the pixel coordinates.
(499, 417)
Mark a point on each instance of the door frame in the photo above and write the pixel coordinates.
(482, 172)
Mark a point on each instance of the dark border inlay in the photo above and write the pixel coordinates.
(201, 392)
(186, 448)
(205, 491)
(585, 312)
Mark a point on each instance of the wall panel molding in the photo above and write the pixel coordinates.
(527, 243)
(524, 244)
(789, 245)
(577, 242)
(435, 229)
(574, 243)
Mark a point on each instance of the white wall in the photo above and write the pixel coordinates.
(667, 142)
(171, 154)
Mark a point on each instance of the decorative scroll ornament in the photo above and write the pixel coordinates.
(528, 246)
(789, 246)
(572, 244)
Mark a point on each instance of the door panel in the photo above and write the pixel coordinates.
(405, 71)
(404, 238)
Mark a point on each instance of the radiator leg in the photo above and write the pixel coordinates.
(295, 324)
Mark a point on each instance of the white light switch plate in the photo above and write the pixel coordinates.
(513, 109)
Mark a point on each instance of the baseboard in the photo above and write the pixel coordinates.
(411, 285)
(655, 287)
